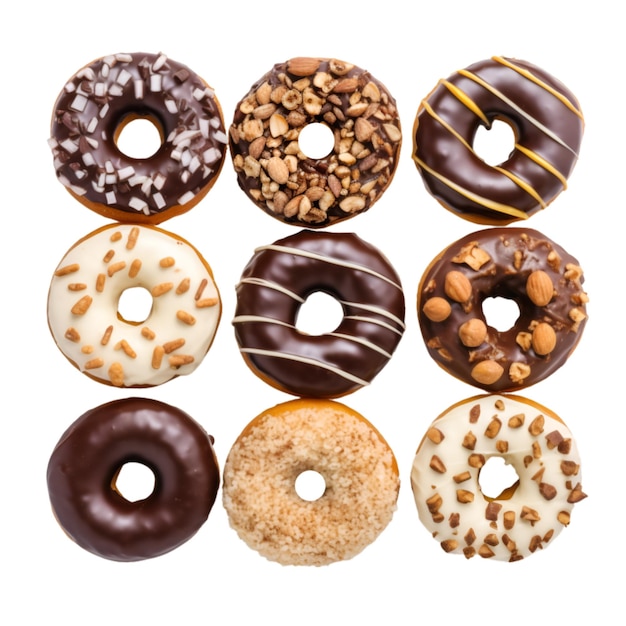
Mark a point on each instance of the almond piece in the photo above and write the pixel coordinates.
(487, 372)
(457, 286)
(539, 288)
(303, 66)
(544, 339)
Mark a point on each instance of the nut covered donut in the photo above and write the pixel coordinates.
(96, 104)
(264, 139)
(89, 328)
(359, 471)
(548, 126)
(514, 263)
(276, 283)
(86, 462)
(526, 516)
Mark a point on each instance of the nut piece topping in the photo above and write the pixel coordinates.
(543, 339)
(539, 288)
(457, 286)
(437, 309)
(473, 332)
(487, 372)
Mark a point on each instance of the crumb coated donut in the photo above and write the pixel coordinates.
(514, 263)
(277, 281)
(86, 462)
(87, 322)
(358, 468)
(97, 103)
(526, 516)
(264, 139)
(547, 123)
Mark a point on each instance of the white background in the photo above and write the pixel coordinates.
(404, 577)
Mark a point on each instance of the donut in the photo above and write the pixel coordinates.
(518, 264)
(88, 327)
(525, 517)
(277, 281)
(289, 185)
(259, 488)
(100, 100)
(86, 462)
(547, 123)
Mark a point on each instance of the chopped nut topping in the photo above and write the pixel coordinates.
(434, 503)
(563, 517)
(492, 511)
(469, 552)
(576, 495)
(493, 428)
(462, 477)
(476, 460)
(536, 426)
(435, 435)
(116, 374)
(474, 413)
(473, 332)
(449, 545)
(524, 340)
(470, 537)
(509, 519)
(437, 309)
(472, 255)
(569, 468)
(437, 465)
(491, 539)
(485, 551)
(469, 441)
(457, 286)
(82, 306)
(553, 439)
(535, 543)
(518, 372)
(463, 496)
(547, 491)
(530, 515)
(487, 372)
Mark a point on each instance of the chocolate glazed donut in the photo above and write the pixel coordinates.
(85, 464)
(547, 122)
(277, 281)
(514, 263)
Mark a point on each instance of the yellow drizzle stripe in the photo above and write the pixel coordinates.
(466, 100)
(528, 75)
(489, 204)
(445, 124)
(529, 189)
(532, 120)
(533, 156)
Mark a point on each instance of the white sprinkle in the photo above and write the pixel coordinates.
(108, 166)
(211, 155)
(79, 191)
(110, 197)
(175, 154)
(198, 93)
(124, 57)
(186, 158)
(185, 136)
(70, 88)
(171, 106)
(79, 103)
(137, 203)
(186, 197)
(159, 180)
(52, 143)
(105, 70)
(80, 174)
(146, 185)
(159, 200)
(109, 59)
(160, 62)
(204, 127)
(184, 176)
(88, 159)
(92, 125)
(123, 77)
(195, 164)
(133, 181)
(110, 179)
(69, 146)
(155, 82)
(87, 73)
(99, 90)
(115, 90)
(93, 143)
(220, 136)
(101, 180)
(139, 89)
(126, 172)
(104, 111)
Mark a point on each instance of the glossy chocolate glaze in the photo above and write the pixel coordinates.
(512, 255)
(548, 127)
(315, 192)
(276, 282)
(91, 452)
(94, 105)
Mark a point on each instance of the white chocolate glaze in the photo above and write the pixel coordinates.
(87, 326)
(525, 517)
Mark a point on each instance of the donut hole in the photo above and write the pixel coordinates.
(497, 479)
(316, 140)
(501, 313)
(134, 481)
(319, 314)
(310, 485)
(138, 137)
(494, 145)
(134, 305)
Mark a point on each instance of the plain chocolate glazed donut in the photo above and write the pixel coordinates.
(89, 456)
(277, 281)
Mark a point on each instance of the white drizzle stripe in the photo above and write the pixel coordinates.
(308, 361)
(246, 319)
(486, 202)
(260, 282)
(325, 259)
(530, 76)
(371, 320)
(374, 309)
(515, 107)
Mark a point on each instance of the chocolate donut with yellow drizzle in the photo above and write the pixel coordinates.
(89, 327)
(275, 284)
(548, 125)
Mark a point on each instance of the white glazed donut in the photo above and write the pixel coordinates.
(89, 329)
(526, 516)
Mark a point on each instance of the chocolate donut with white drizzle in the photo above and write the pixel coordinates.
(275, 284)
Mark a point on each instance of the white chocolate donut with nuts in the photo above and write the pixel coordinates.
(90, 330)
(526, 516)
